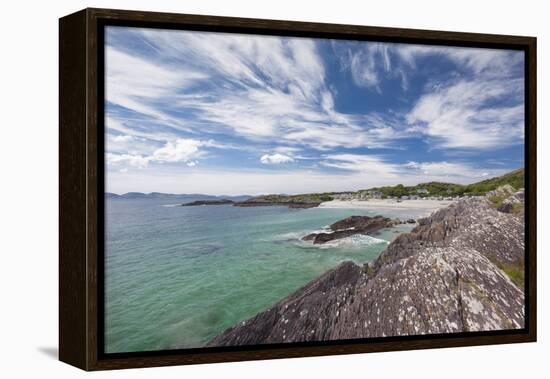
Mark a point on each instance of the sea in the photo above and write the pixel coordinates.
(175, 277)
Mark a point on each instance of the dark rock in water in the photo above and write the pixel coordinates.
(290, 201)
(358, 222)
(262, 202)
(449, 275)
(349, 227)
(411, 221)
(207, 202)
(309, 237)
(297, 205)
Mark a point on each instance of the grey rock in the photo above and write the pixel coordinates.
(443, 277)
(509, 205)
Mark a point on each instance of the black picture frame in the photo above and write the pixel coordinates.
(81, 183)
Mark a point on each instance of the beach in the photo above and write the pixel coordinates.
(420, 207)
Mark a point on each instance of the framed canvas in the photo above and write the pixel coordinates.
(240, 189)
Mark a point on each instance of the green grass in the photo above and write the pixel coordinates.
(496, 200)
(514, 178)
(370, 271)
(518, 208)
(516, 272)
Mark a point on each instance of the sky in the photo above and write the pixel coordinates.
(233, 114)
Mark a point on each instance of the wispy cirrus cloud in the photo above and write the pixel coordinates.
(467, 114)
(139, 84)
(196, 101)
(477, 105)
(257, 87)
(494, 62)
(408, 172)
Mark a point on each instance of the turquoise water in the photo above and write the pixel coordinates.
(175, 277)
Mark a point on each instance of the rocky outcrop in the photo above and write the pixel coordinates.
(302, 205)
(351, 226)
(310, 200)
(452, 273)
(207, 202)
(269, 201)
(513, 204)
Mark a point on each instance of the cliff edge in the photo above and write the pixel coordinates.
(461, 269)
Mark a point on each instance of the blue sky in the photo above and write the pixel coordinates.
(199, 112)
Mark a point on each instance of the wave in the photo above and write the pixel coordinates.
(171, 205)
(355, 241)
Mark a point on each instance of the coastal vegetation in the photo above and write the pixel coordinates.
(309, 200)
(514, 178)
(423, 190)
(515, 271)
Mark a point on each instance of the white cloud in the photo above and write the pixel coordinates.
(119, 125)
(447, 171)
(287, 150)
(136, 83)
(378, 168)
(129, 144)
(457, 116)
(127, 159)
(371, 64)
(276, 159)
(181, 150)
(266, 87)
(371, 165)
(494, 62)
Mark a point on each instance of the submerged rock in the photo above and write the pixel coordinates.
(450, 274)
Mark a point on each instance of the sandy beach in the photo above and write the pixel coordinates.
(420, 207)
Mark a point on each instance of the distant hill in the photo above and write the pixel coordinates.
(173, 196)
(514, 178)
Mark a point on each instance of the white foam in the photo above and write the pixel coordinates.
(358, 240)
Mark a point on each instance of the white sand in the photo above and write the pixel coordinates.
(424, 207)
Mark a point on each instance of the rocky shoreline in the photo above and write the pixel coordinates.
(208, 202)
(354, 225)
(289, 204)
(458, 270)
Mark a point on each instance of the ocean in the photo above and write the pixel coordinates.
(175, 276)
